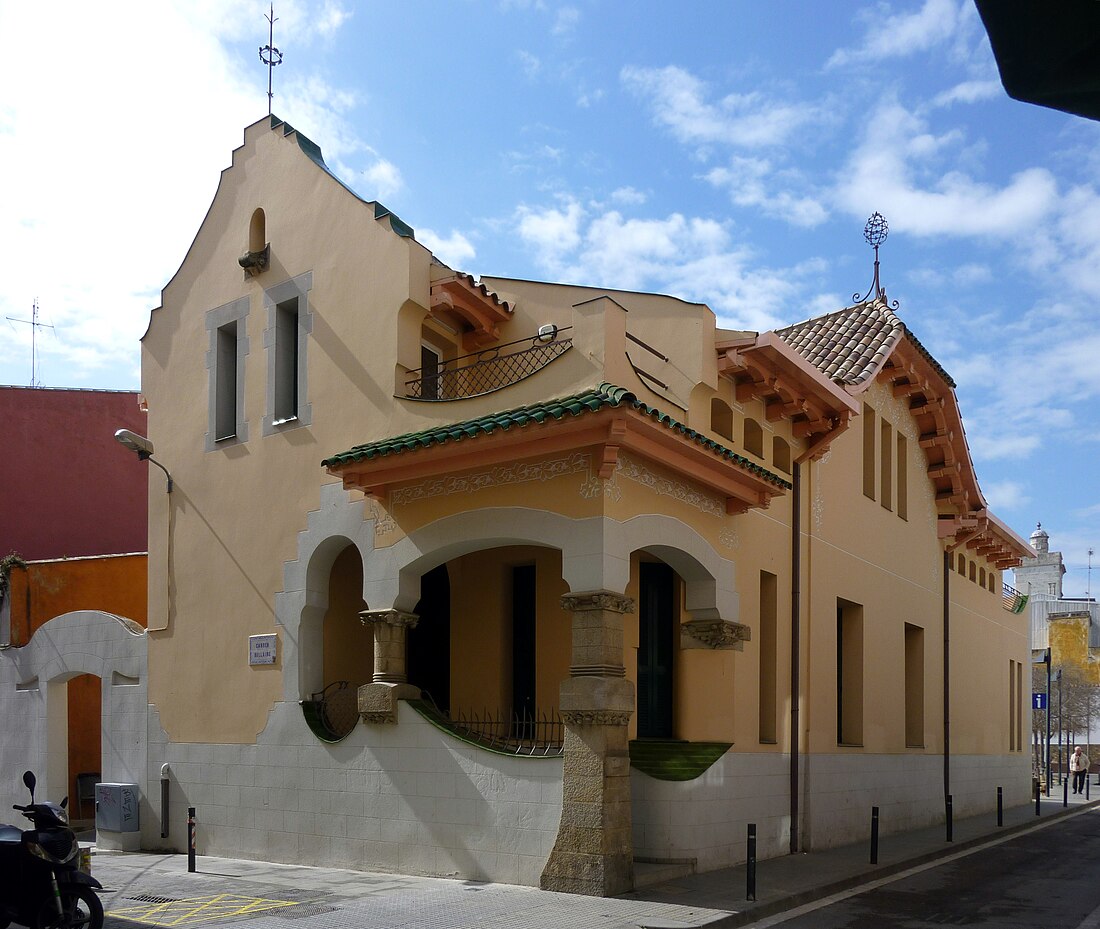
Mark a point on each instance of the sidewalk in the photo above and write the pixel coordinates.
(157, 889)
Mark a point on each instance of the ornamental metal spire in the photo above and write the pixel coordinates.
(875, 232)
(273, 56)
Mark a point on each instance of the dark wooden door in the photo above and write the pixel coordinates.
(656, 650)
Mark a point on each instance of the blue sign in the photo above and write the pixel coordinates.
(1038, 701)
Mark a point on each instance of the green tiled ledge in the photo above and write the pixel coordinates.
(673, 760)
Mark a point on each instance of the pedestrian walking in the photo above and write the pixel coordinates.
(1079, 768)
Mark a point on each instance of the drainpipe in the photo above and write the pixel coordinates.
(796, 574)
(946, 673)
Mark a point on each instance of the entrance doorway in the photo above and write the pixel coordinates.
(656, 649)
(429, 643)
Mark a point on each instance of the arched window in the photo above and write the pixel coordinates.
(754, 438)
(781, 455)
(721, 418)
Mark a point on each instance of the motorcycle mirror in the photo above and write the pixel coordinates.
(29, 780)
(64, 803)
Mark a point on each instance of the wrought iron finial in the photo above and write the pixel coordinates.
(875, 232)
(273, 56)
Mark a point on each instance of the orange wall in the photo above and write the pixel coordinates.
(85, 755)
(45, 589)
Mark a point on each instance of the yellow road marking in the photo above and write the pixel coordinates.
(198, 910)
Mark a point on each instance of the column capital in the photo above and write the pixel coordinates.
(390, 617)
(597, 600)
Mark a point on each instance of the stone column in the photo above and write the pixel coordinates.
(378, 699)
(594, 851)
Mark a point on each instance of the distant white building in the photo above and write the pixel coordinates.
(1040, 578)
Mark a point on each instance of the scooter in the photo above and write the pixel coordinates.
(42, 883)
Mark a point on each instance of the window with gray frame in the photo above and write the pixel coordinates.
(289, 323)
(225, 357)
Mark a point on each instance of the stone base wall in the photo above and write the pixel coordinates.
(706, 819)
(406, 798)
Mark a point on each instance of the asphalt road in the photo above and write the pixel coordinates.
(1049, 878)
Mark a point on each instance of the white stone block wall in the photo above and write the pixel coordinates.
(406, 797)
(33, 702)
(706, 819)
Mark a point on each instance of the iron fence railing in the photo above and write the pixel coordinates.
(337, 708)
(488, 370)
(537, 734)
(1012, 599)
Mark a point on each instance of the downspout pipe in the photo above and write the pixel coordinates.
(946, 673)
(796, 635)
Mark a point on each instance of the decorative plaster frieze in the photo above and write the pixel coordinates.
(383, 523)
(595, 486)
(632, 469)
(717, 633)
(597, 600)
(595, 717)
(818, 508)
(521, 472)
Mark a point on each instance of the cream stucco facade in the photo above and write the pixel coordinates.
(643, 537)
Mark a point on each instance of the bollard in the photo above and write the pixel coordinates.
(1000, 807)
(1086, 787)
(874, 835)
(1036, 798)
(950, 821)
(750, 865)
(1065, 792)
(164, 801)
(190, 840)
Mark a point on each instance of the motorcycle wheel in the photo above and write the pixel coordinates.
(81, 910)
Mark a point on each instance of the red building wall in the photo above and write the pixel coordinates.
(67, 488)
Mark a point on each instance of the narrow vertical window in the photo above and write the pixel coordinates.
(849, 673)
(962, 564)
(286, 340)
(225, 380)
(869, 430)
(225, 358)
(721, 418)
(886, 465)
(768, 657)
(1019, 706)
(914, 686)
(286, 361)
(903, 478)
(781, 455)
(431, 363)
(1013, 700)
(754, 438)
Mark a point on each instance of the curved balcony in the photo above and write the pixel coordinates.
(489, 370)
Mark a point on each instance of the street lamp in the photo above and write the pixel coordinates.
(143, 447)
(144, 450)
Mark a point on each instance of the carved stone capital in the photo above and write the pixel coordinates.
(714, 633)
(390, 617)
(597, 600)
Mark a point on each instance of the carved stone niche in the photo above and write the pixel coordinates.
(714, 633)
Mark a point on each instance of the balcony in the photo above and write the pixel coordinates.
(492, 369)
(1012, 599)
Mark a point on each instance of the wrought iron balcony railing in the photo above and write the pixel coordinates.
(488, 370)
(333, 712)
(1012, 599)
(538, 734)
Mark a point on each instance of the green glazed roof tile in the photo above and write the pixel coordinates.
(589, 401)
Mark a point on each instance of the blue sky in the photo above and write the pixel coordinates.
(728, 152)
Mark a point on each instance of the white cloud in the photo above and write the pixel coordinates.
(456, 250)
(530, 63)
(749, 120)
(747, 181)
(565, 22)
(383, 179)
(628, 196)
(903, 34)
(969, 92)
(893, 171)
(1006, 495)
(689, 257)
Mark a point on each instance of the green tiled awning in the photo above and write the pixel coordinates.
(589, 401)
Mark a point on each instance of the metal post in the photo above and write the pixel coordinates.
(1061, 763)
(874, 835)
(1065, 791)
(1000, 807)
(1046, 660)
(950, 821)
(190, 840)
(750, 865)
(164, 801)
(1036, 798)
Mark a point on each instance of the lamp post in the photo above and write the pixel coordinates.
(1046, 661)
(1058, 678)
(144, 450)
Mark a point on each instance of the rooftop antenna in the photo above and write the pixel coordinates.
(35, 326)
(875, 232)
(1088, 586)
(269, 54)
